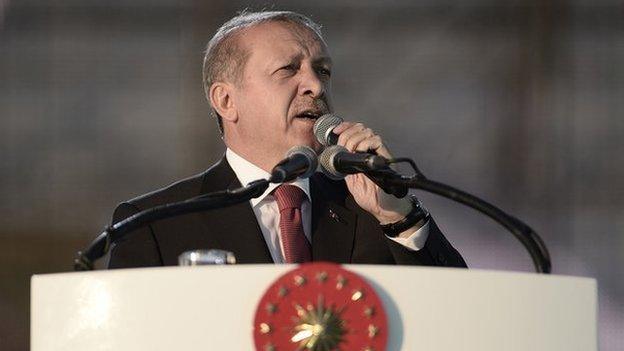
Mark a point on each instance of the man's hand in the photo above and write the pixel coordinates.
(386, 208)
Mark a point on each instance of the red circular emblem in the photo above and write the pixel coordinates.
(320, 306)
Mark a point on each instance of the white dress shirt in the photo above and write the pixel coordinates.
(268, 216)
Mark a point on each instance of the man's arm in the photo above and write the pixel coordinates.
(436, 252)
(386, 208)
(138, 248)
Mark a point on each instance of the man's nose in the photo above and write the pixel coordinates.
(311, 84)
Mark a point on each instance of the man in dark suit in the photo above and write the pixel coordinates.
(267, 77)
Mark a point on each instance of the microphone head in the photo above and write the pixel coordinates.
(323, 129)
(309, 154)
(326, 160)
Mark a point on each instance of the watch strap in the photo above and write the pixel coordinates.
(417, 214)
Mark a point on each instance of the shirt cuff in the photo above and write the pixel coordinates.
(416, 240)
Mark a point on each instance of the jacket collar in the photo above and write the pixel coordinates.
(246, 172)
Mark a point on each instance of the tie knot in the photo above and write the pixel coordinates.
(289, 196)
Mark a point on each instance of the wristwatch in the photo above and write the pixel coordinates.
(417, 214)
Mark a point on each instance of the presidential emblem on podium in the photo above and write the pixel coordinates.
(320, 307)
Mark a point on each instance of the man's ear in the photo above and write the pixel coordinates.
(220, 96)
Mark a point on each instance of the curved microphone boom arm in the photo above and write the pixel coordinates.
(388, 179)
(101, 245)
(393, 183)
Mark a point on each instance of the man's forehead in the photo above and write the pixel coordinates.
(277, 35)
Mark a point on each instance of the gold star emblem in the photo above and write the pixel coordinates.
(299, 280)
(271, 308)
(340, 282)
(319, 327)
(372, 331)
(265, 328)
(321, 277)
(369, 311)
(283, 291)
(357, 294)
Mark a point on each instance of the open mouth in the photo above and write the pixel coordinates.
(310, 114)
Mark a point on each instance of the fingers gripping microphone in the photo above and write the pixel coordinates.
(323, 129)
(336, 162)
(300, 161)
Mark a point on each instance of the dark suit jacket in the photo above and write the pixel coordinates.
(341, 231)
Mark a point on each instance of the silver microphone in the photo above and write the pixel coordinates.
(323, 129)
(336, 161)
(326, 162)
(300, 162)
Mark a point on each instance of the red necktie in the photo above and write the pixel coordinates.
(296, 247)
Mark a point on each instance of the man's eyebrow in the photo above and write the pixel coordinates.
(295, 58)
(323, 60)
(280, 60)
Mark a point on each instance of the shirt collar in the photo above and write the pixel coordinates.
(247, 172)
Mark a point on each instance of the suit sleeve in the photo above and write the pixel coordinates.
(437, 251)
(138, 248)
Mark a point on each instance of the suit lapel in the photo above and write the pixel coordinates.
(234, 228)
(333, 224)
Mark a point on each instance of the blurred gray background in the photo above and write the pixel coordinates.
(518, 102)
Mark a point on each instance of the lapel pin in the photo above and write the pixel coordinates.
(334, 216)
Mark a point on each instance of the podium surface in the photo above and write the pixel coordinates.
(213, 307)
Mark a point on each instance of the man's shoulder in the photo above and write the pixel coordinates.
(177, 191)
(198, 184)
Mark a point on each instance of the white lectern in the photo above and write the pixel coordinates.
(212, 308)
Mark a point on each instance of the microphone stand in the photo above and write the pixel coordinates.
(394, 183)
(101, 245)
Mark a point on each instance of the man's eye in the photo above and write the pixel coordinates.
(324, 72)
(290, 67)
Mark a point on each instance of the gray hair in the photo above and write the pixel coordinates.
(225, 59)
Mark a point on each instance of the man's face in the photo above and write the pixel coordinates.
(284, 88)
